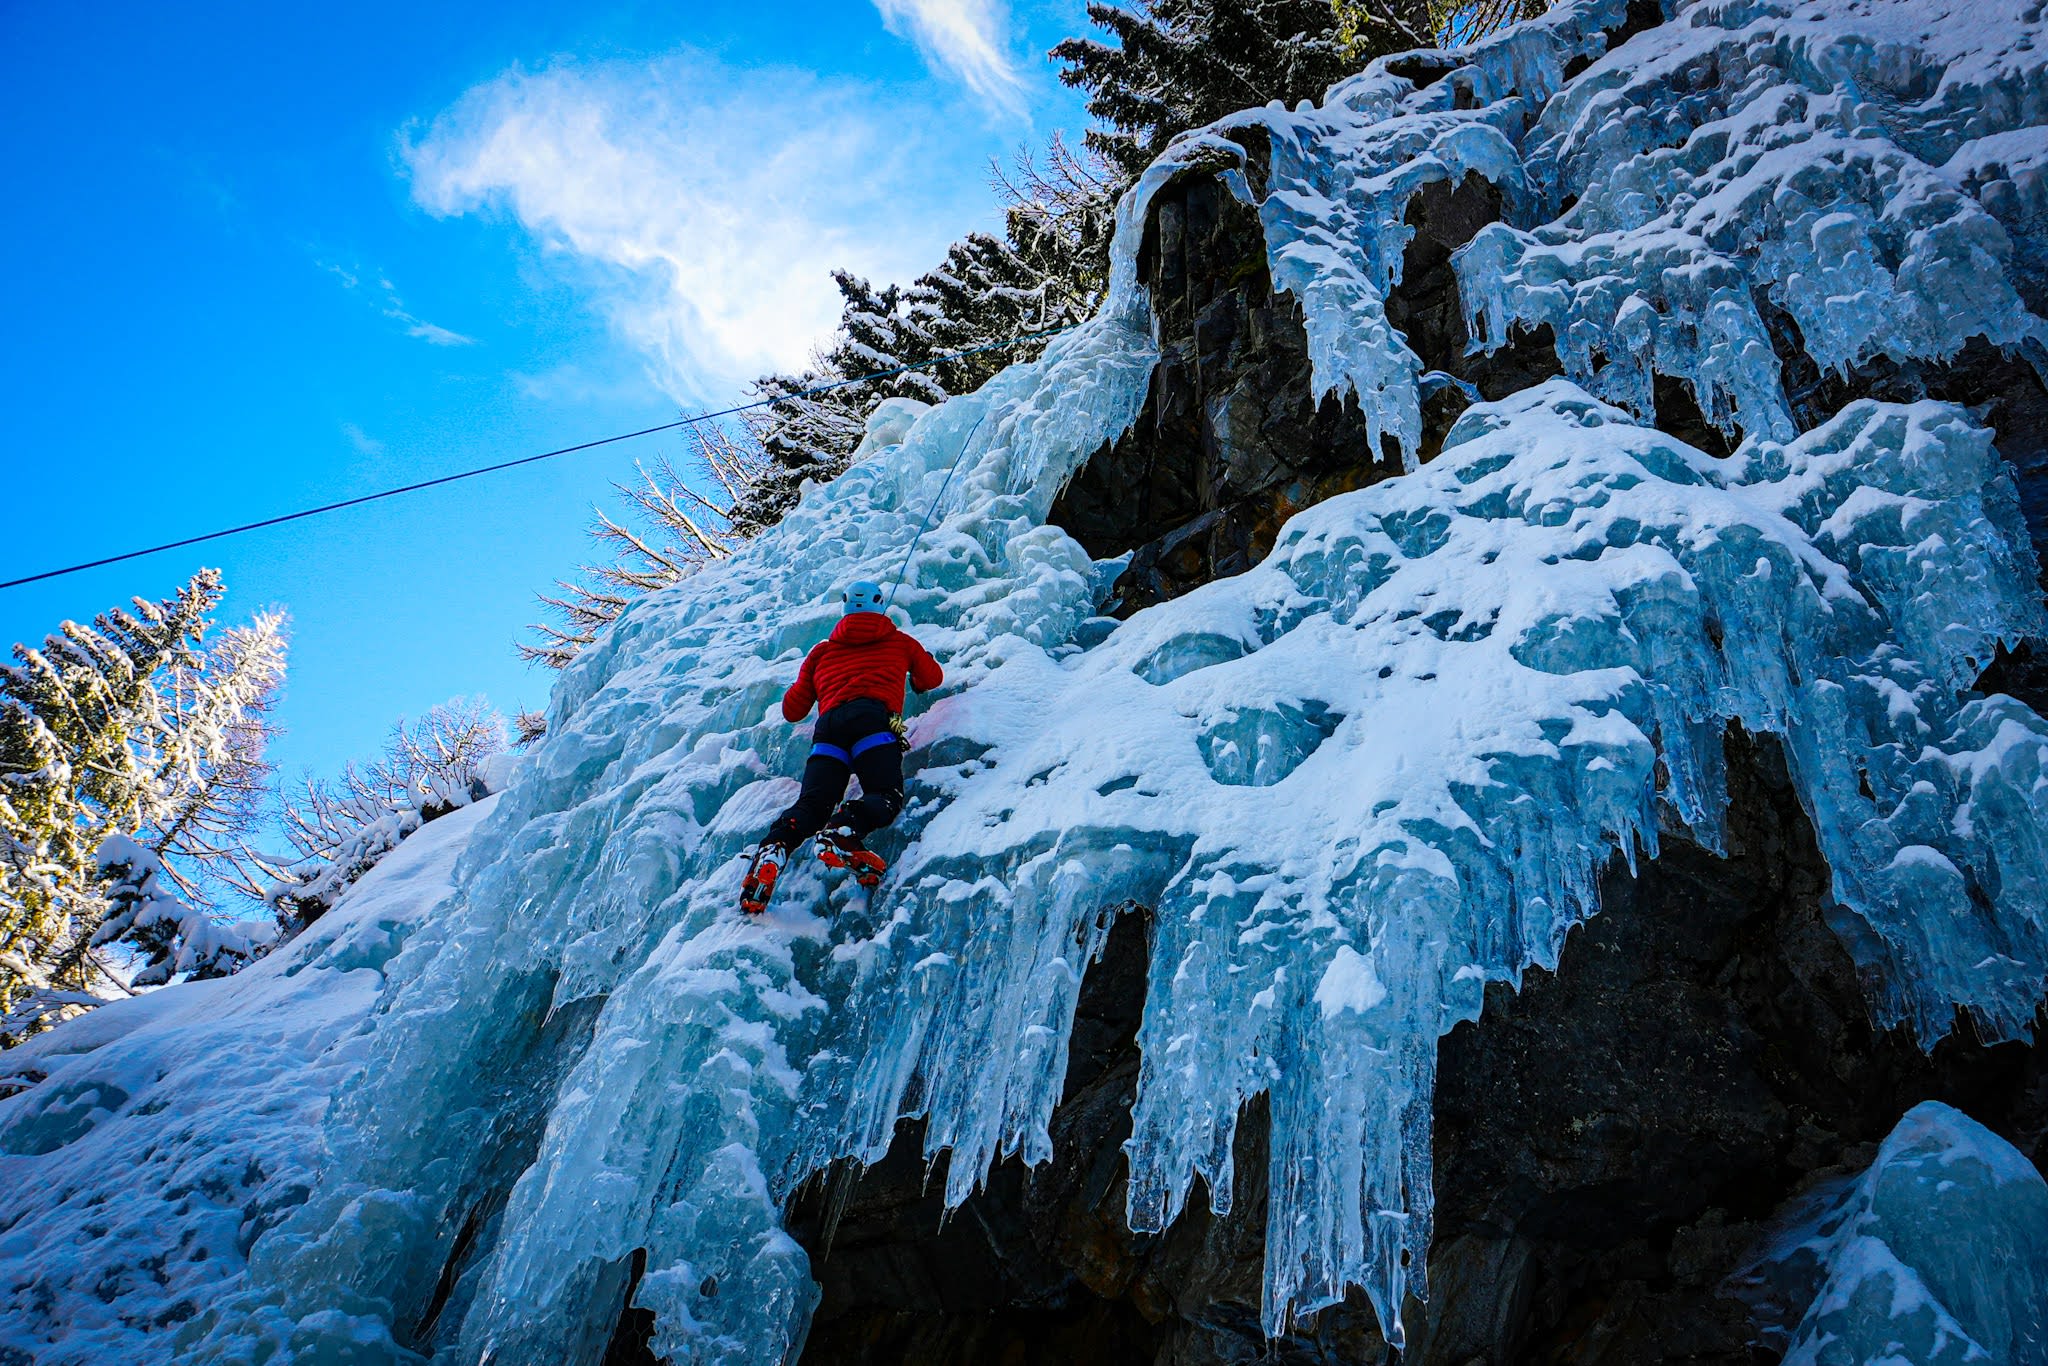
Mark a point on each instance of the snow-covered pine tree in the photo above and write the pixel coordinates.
(81, 726)
(127, 728)
(812, 436)
(1060, 217)
(985, 292)
(805, 436)
(877, 335)
(1178, 64)
(214, 777)
(168, 936)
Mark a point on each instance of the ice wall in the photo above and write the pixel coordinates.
(1814, 159)
(1866, 174)
(1356, 784)
(1387, 766)
(596, 925)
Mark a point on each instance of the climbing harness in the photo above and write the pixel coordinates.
(847, 754)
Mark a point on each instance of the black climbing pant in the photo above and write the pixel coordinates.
(853, 740)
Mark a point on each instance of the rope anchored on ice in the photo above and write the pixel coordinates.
(933, 510)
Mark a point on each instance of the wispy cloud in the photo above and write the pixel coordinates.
(361, 440)
(966, 38)
(393, 307)
(704, 206)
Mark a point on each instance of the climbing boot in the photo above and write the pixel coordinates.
(762, 872)
(840, 847)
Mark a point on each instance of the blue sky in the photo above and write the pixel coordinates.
(266, 256)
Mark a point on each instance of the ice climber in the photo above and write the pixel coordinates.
(855, 678)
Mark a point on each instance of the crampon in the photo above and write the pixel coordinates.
(762, 872)
(839, 847)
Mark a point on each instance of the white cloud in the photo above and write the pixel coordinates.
(431, 334)
(704, 206)
(965, 37)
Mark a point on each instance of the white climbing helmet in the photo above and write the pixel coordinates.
(863, 596)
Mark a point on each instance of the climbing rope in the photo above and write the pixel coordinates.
(932, 511)
(534, 459)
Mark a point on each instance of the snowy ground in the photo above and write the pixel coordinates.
(159, 1136)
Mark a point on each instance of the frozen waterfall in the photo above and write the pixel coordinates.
(1355, 784)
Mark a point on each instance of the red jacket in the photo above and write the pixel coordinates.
(865, 656)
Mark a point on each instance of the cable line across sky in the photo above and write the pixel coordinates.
(460, 475)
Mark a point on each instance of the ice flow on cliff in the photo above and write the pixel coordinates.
(1354, 785)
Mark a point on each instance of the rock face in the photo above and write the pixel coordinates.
(1610, 1140)
(1231, 442)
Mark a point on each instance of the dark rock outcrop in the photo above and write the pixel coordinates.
(1230, 443)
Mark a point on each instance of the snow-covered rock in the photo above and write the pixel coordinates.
(1936, 1254)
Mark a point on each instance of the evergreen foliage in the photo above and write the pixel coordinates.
(1179, 64)
(1060, 218)
(167, 935)
(131, 729)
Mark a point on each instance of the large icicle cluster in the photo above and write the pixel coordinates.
(1871, 169)
(1814, 155)
(1355, 784)
(1387, 766)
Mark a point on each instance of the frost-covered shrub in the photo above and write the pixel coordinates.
(433, 764)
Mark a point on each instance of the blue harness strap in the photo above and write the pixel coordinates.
(860, 747)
